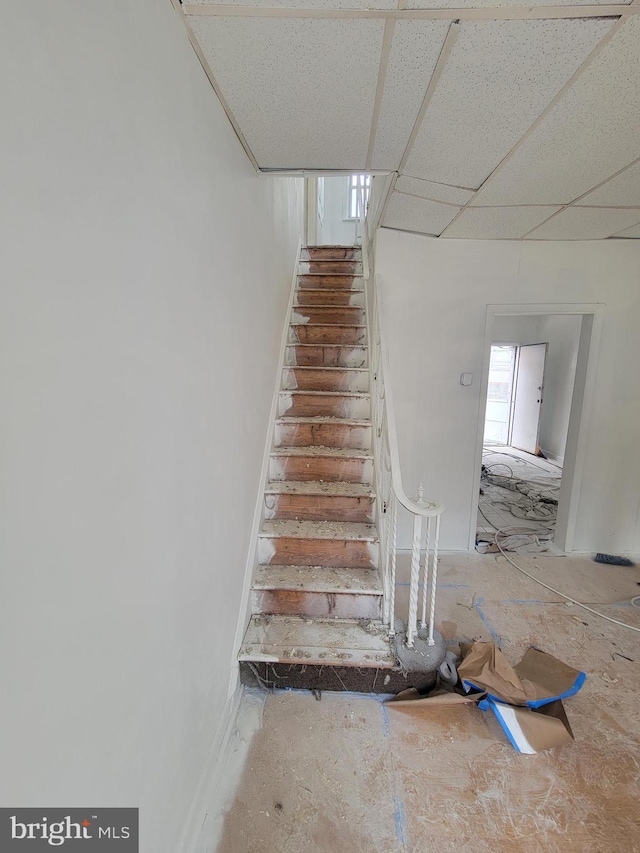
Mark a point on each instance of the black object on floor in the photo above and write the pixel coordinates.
(612, 560)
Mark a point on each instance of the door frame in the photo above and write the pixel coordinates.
(580, 414)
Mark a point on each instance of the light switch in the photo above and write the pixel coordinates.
(466, 378)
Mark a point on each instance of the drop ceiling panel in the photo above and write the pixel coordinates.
(301, 89)
(417, 214)
(436, 192)
(590, 134)
(415, 48)
(498, 79)
(586, 223)
(622, 191)
(301, 4)
(630, 232)
(498, 223)
(501, 4)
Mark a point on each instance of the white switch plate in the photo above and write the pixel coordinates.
(466, 378)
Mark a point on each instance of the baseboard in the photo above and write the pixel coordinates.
(557, 460)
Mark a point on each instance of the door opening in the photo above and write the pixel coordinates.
(535, 389)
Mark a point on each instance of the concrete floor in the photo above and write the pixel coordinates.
(347, 774)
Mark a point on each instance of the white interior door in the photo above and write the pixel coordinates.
(527, 397)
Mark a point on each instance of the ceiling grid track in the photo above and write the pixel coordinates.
(488, 108)
(387, 39)
(541, 117)
(178, 6)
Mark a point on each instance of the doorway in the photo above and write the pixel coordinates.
(539, 369)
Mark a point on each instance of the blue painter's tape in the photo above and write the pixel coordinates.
(401, 823)
(486, 705)
(386, 726)
(534, 703)
(485, 621)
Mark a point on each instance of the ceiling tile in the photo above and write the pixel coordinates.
(498, 79)
(501, 4)
(415, 48)
(622, 191)
(633, 233)
(586, 223)
(436, 192)
(590, 134)
(301, 89)
(301, 4)
(417, 214)
(497, 223)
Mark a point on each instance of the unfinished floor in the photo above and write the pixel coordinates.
(530, 505)
(347, 774)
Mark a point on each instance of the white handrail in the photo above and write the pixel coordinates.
(389, 487)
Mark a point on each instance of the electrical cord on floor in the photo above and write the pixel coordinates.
(562, 594)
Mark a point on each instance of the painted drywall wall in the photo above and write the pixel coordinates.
(146, 270)
(336, 230)
(562, 334)
(436, 294)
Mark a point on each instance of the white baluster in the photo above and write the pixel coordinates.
(425, 582)
(434, 581)
(415, 580)
(392, 594)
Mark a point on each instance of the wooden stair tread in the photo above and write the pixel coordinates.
(297, 639)
(311, 393)
(323, 419)
(319, 579)
(333, 325)
(319, 487)
(325, 367)
(336, 290)
(333, 530)
(320, 450)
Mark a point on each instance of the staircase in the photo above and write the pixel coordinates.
(317, 591)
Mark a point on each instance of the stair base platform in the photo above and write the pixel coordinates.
(327, 654)
(334, 678)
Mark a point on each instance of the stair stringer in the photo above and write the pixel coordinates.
(251, 565)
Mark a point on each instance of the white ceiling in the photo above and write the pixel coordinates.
(498, 120)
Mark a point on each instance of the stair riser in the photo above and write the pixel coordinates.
(342, 282)
(319, 334)
(325, 468)
(322, 435)
(326, 356)
(320, 405)
(331, 253)
(325, 380)
(291, 550)
(352, 298)
(334, 315)
(318, 508)
(319, 605)
(330, 267)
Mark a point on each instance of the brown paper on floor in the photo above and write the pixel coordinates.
(414, 700)
(544, 676)
(534, 730)
(537, 676)
(484, 665)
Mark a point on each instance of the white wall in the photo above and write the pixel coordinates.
(563, 336)
(336, 230)
(436, 294)
(145, 275)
